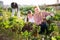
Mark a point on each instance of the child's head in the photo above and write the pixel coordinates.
(29, 12)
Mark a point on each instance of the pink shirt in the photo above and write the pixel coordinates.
(45, 14)
(38, 17)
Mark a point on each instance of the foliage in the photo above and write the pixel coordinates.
(10, 9)
(50, 9)
(25, 9)
(54, 27)
(57, 17)
(12, 26)
(58, 37)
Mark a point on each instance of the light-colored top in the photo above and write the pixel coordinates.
(31, 18)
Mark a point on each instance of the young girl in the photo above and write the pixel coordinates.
(30, 17)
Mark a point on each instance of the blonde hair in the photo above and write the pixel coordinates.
(37, 7)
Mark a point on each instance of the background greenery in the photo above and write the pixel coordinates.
(11, 27)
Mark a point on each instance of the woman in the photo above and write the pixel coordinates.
(37, 15)
(39, 18)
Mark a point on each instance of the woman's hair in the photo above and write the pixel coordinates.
(37, 9)
(35, 6)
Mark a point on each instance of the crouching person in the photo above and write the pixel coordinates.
(40, 20)
(15, 8)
